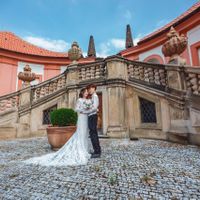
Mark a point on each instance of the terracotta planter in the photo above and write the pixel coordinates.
(58, 136)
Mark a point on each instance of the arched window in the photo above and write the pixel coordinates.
(154, 59)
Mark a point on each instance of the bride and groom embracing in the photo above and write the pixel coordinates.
(76, 150)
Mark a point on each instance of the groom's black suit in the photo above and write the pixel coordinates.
(92, 124)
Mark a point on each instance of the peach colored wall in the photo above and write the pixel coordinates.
(157, 53)
(185, 55)
(8, 77)
(51, 71)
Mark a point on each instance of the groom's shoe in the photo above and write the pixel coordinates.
(96, 155)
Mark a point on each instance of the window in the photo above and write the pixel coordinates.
(153, 60)
(195, 52)
(46, 114)
(148, 111)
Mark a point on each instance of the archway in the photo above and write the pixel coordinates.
(154, 59)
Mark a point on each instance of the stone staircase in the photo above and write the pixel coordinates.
(174, 89)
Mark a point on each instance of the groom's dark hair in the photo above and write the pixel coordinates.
(91, 86)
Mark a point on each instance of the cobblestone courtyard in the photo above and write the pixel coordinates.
(143, 169)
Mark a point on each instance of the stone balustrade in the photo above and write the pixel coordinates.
(192, 80)
(157, 74)
(48, 87)
(148, 72)
(151, 73)
(92, 71)
(8, 102)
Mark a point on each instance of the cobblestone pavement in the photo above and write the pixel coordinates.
(143, 169)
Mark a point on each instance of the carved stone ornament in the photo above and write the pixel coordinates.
(74, 52)
(174, 46)
(27, 76)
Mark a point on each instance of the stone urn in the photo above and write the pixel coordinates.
(75, 52)
(58, 136)
(174, 46)
(26, 76)
(63, 126)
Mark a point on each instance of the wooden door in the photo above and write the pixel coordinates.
(100, 116)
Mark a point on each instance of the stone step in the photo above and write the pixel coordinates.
(178, 137)
(8, 133)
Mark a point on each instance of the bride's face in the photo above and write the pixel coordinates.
(85, 94)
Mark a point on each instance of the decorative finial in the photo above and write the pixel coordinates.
(74, 52)
(91, 48)
(26, 76)
(129, 40)
(174, 46)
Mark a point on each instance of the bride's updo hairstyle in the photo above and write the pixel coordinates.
(82, 92)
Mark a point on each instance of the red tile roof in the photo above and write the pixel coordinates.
(11, 42)
(191, 10)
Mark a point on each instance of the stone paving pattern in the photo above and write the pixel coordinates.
(143, 169)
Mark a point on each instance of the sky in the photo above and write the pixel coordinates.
(55, 24)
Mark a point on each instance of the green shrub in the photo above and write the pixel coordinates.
(63, 117)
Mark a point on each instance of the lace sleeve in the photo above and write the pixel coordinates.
(79, 107)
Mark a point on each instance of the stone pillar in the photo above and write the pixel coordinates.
(117, 69)
(71, 82)
(23, 129)
(72, 75)
(172, 48)
(175, 77)
(117, 74)
(178, 112)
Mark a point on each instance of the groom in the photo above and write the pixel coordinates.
(92, 122)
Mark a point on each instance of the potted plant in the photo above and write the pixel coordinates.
(63, 126)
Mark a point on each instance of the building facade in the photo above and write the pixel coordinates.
(15, 53)
(149, 48)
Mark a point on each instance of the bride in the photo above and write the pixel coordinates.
(75, 151)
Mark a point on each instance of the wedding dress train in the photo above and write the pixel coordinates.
(75, 151)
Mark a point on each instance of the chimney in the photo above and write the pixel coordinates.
(91, 48)
(129, 40)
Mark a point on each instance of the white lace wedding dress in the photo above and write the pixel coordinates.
(75, 151)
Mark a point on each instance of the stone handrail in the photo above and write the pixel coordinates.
(147, 72)
(157, 74)
(92, 71)
(192, 79)
(9, 101)
(48, 87)
(85, 72)
(54, 85)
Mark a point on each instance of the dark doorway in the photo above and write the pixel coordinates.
(100, 115)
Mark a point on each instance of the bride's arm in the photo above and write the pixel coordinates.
(88, 111)
(79, 107)
(94, 108)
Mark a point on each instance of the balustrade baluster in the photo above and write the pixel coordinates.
(97, 74)
(92, 72)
